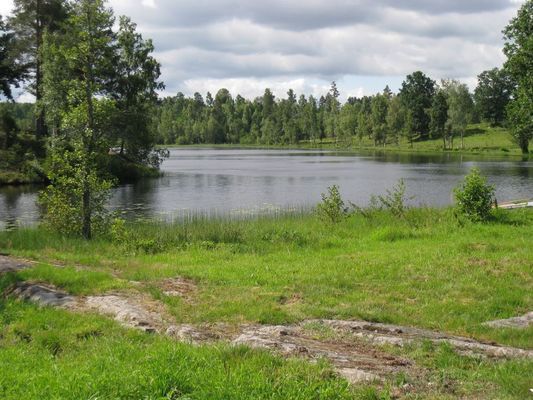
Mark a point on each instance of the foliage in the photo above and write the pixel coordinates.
(416, 94)
(394, 201)
(493, 93)
(332, 208)
(474, 197)
(72, 173)
(460, 107)
(30, 20)
(518, 48)
(439, 116)
(12, 71)
(520, 116)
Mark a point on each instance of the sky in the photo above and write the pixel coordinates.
(364, 45)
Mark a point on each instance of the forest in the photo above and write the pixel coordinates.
(421, 110)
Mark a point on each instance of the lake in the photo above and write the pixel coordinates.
(253, 181)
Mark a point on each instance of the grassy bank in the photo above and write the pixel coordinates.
(425, 270)
(479, 139)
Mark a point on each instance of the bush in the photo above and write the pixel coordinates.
(394, 201)
(474, 197)
(332, 208)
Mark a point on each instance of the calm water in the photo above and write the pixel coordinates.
(254, 181)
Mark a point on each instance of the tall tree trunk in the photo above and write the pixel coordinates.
(88, 143)
(524, 145)
(86, 211)
(40, 128)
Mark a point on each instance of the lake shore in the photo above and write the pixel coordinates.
(426, 270)
(480, 140)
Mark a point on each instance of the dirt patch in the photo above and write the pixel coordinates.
(130, 310)
(400, 335)
(294, 298)
(355, 360)
(10, 264)
(179, 287)
(520, 322)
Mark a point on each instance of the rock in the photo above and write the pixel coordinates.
(355, 375)
(43, 295)
(191, 334)
(521, 322)
(10, 264)
(378, 333)
(128, 312)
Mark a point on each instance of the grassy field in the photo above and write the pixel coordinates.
(425, 270)
(479, 139)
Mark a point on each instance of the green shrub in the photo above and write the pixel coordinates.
(332, 208)
(474, 197)
(131, 240)
(394, 201)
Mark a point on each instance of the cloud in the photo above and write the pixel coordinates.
(248, 45)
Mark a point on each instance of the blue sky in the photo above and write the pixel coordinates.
(247, 45)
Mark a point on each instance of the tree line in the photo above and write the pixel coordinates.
(422, 109)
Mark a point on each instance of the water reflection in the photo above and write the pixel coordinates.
(18, 206)
(234, 179)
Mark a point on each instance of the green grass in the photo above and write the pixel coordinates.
(425, 270)
(479, 139)
(52, 354)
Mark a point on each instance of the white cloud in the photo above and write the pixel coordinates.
(246, 45)
(149, 3)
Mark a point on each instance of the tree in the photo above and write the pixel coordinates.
(408, 128)
(379, 119)
(459, 107)
(331, 110)
(78, 68)
(521, 119)
(12, 71)
(492, 94)
(395, 119)
(417, 95)
(474, 197)
(134, 90)
(439, 116)
(31, 19)
(364, 123)
(8, 129)
(268, 104)
(518, 48)
(348, 120)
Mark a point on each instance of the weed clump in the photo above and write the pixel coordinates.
(474, 197)
(331, 208)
